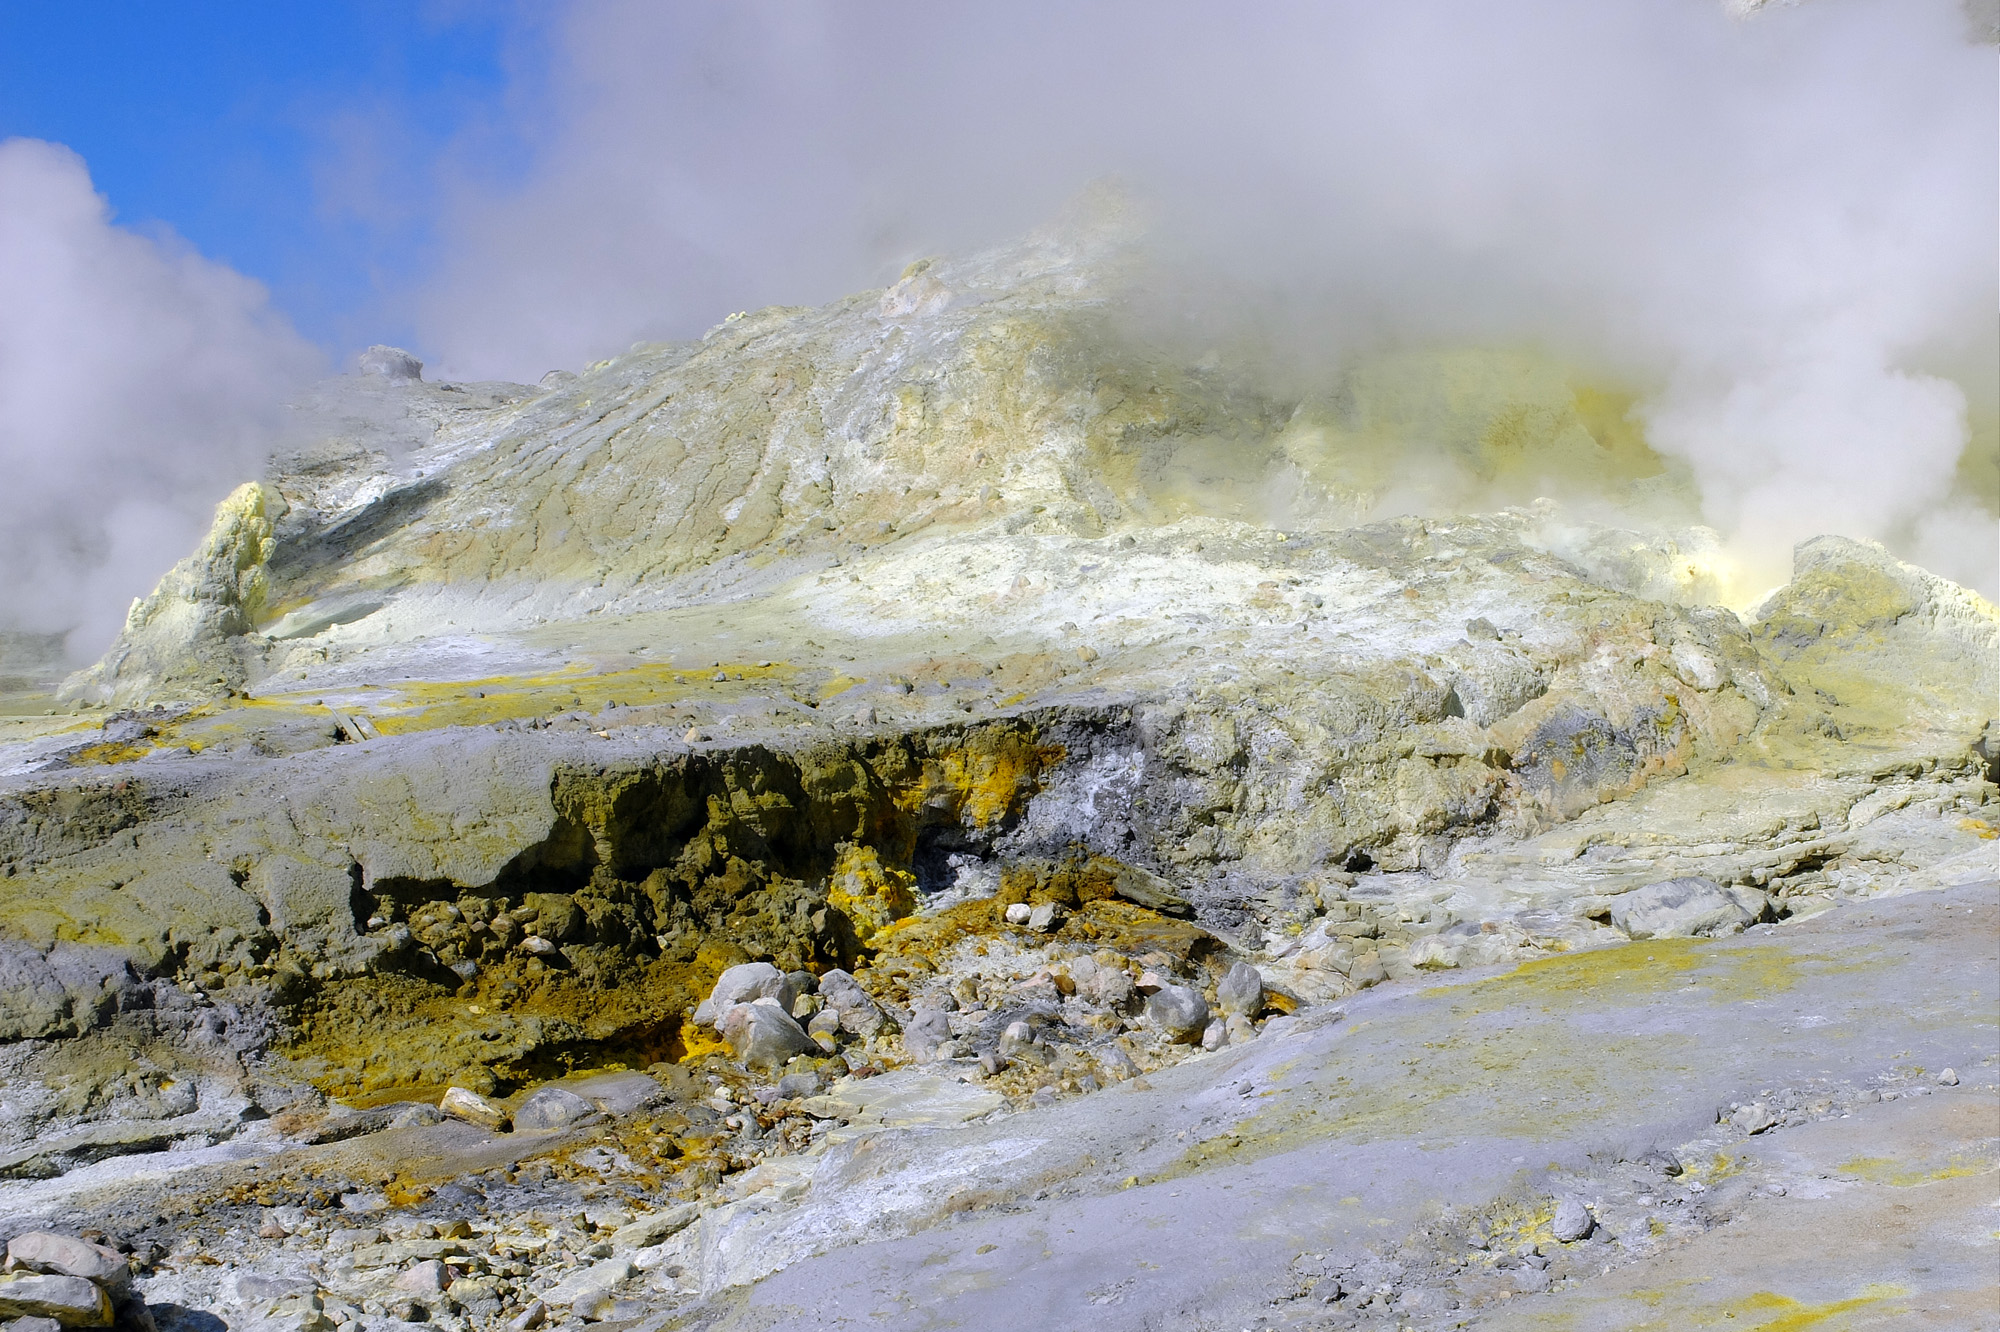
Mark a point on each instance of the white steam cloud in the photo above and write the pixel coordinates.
(139, 382)
(1781, 226)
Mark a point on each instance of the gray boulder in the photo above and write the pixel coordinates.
(391, 363)
(551, 1108)
(71, 1300)
(62, 1255)
(929, 1028)
(763, 1035)
(1681, 909)
(1572, 1222)
(1241, 991)
(1179, 1011)
(859, 1014)
(742, 985)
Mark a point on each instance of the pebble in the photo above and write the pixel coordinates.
(1045, 917)
(1573, 1221)
(1215, 1035)
(1948, 1078)
(1017, 913)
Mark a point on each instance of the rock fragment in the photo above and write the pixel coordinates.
(1753, 1118)
(763, 1036)
(648, 1230)
(473, 1109)
(1240, 991)
(859, 1015)
(1680, 909)
(1179, 1011)
(71, 1300)
(1948, 1078)
(741, 985)
(551, 1108)
(1573, 1221)
(63, 1255)
(928, 1029)
(426, 1280)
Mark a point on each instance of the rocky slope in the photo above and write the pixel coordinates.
(952, 647)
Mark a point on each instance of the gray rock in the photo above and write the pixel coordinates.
(1179, 1011)
(859, 1014)
(763, 1036)
(585, 1290)
(416, 1116)
(62, 1255)
(1754, 1118)
(1573, 1221)
(927, 1030)
(1017, 913)
(741, 985)
(72, 1301)
(391, 363)
(1241, 990)
(644, 1231)
(529, 1318)
(1367, 970)
(551, 1108)
(1215, 1035)
(1948, 1078)
(427, 1279)
(618, 1093)
(1045, 917)
(33, 1325)
(1680, 909)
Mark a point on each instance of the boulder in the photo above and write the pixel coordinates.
(1179, 1011)
(646, 1231)
(929, 1028)
(859, 1014)
(551, 1108)
(1241, 990)
(72, 1301)
(473, 1109)
(391, 363)
(741, 985)
(763, 1036)
(1680, 909)
(62, 1255)
(1573, 1221)
(618, 1093)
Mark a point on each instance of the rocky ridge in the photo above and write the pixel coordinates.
(921, 712)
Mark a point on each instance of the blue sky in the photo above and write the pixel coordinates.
(224, 119)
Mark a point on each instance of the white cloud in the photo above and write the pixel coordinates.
(139, 383)
(1781, 221)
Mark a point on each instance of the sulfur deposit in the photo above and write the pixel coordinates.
(935, 808)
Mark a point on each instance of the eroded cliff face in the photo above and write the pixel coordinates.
(484, 732)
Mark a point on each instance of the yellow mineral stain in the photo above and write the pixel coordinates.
(870, 894)
(1797, 1316)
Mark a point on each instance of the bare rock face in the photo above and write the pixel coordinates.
(185, 640)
